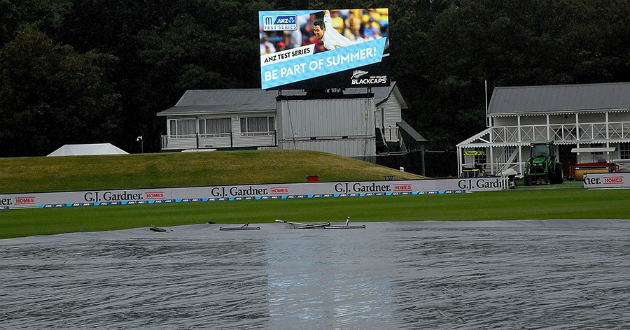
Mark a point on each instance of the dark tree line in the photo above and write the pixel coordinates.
(87, 71)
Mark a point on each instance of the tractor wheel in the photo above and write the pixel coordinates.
(551, 174)
(559, 173)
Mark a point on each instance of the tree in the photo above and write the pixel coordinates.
(50, 96)
(13, 14)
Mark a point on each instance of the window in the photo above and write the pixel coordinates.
(624, 150)
(172, 127)
(183, 127)
(253, 126)
(215, 127)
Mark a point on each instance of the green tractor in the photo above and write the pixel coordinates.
(542, 165)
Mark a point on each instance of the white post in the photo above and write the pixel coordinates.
(577, 127)
(520, 159)
(548, 136)
(518, 124)
(459, 162)
(607, 137)
(491, 161)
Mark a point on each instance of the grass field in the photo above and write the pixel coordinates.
(502, 205)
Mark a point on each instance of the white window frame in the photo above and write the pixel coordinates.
(215, 127)
(248, 127)
(176, 126)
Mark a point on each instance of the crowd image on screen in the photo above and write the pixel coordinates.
(358, 25)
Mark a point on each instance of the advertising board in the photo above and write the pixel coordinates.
(607, 180)
(320, 49)
(247, 192)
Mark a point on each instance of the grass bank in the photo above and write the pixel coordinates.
(69, 173)
(502, 205)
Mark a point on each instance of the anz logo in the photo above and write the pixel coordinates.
(285, 20)
(279, 22)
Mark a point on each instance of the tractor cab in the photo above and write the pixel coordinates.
(542, 150)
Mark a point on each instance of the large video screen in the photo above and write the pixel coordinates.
(320, 49)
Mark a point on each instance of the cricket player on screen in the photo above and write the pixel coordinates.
(325, 31)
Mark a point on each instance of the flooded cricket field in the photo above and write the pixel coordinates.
(552, 274)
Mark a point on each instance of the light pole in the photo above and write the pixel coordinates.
(139, 138)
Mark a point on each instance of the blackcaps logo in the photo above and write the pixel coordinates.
(369, 80)
(280, 23)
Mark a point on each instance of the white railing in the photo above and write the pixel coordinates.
(561, 132)
(224, 140)
(619, 130)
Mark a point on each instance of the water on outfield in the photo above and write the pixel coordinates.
(407, 275)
